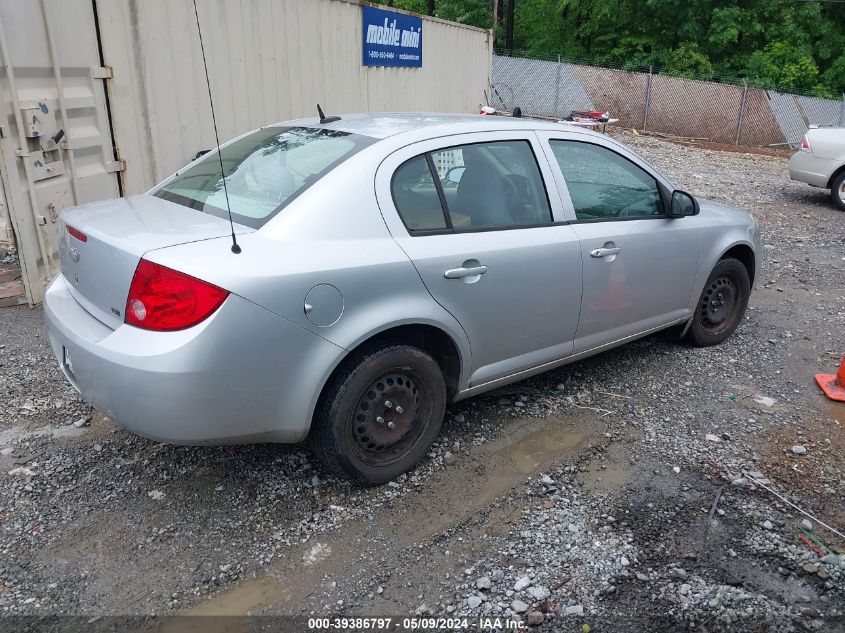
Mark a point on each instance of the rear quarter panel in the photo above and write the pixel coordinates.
(332, 234)
(828, 142)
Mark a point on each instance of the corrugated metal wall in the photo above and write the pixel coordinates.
(794, 113)
(50, 73)
(269, 60)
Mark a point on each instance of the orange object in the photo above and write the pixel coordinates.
(812, 545)
(833, 386)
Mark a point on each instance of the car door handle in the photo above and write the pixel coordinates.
(460, 273)
(604, 252)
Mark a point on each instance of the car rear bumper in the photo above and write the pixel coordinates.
(242, 375)
(809, 168)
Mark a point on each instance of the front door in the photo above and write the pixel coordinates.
(473, 214)
(639, 264)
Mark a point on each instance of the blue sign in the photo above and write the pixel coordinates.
(391, 39)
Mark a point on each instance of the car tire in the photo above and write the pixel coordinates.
(379, 413)
(837, 191)
(722, 304)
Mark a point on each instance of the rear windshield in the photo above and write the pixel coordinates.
(264, 171)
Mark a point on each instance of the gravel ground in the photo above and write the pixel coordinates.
(621, 493)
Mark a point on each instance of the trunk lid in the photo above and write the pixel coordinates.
(827, 142)
(99, 264)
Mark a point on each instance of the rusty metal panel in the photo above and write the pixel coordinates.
(269, 60)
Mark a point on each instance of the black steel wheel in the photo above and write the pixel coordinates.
(379, 414)
(718, 304)
(722, 304)
(837, 191)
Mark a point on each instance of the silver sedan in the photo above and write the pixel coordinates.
(388, 264)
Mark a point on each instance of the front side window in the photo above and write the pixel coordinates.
(264, 171)
(604, 185)
(482, 185)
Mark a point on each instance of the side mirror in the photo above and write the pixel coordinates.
(453, 176)
(682, 204)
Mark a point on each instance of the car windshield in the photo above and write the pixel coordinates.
(264, 171)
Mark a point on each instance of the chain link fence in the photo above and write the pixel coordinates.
(726, 111)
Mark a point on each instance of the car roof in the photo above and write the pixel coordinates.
(381, 125)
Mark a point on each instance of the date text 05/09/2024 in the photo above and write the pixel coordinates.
(415, 624)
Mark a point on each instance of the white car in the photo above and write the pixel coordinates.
(821, 161)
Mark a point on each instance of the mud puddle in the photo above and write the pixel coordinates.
(542, 447)
(613, 472)
(526, 448)
(453, 495)
(226, 612)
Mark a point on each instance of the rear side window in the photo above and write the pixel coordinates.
(604, 185)
(264, 171)
(472, 187)
(416, 197)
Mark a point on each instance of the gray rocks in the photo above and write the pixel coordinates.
(449, 458)
(575, 609)
(768, 525)
(834, 559)
(518, 606)
(799, 449)
(522, 583)
(484, 582)
(473, 602)
(539, 592)
(679, 573)
(85, 420)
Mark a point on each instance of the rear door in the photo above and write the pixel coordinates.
(639, 264)
(473, 214)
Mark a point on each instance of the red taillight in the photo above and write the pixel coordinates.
(805, 144)
(164, 300)
(76, 233)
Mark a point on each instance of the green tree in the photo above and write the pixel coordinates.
(782, 65)
(775, 43)
(718, 38)
(473, 12)
(687, 61)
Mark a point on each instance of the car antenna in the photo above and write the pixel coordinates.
(235, 248)
(323, 118)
